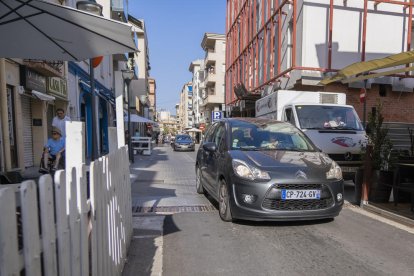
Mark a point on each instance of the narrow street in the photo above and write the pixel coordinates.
(178, 232)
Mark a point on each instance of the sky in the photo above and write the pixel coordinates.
(175, 29)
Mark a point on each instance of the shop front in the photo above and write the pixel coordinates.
(105, 108)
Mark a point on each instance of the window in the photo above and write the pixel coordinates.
(209, 134)
(289, 117)
(218, 136)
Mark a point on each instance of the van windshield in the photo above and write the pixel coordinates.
(327, 117)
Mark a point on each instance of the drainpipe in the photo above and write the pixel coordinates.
(4, 115)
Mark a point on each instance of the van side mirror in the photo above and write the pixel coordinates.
(209, 146)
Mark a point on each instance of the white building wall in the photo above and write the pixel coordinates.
(385, 32)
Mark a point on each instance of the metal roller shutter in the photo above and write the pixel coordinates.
(27, 131)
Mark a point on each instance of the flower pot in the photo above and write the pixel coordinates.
(381, 182)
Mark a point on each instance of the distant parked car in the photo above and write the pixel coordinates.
(183, 142)
(262, 169)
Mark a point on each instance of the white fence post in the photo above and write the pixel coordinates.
(62, 224)
(75, 157)
(9, 257)
(47, 219)
(30, 221)
(119, 101)
(113, 139)
(66, 249)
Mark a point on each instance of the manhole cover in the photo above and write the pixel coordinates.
(174, 209)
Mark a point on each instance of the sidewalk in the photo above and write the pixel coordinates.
(161, 184)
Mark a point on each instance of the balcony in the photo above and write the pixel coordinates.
(210, 56)
(211, 78)
(210, 96)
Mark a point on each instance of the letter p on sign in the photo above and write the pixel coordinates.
(216, 115)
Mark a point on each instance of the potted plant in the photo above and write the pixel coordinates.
(381, 158)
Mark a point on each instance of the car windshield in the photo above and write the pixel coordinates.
(183, 139)
(327, 117)
(270, 136)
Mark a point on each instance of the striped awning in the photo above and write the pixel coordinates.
(349, 73)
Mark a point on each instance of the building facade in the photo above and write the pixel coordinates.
(141, 63)
(32, 90)
(212, 88)
(186, 107)
(197, 70)
(274, 45)
(167, 122)
(152, 97)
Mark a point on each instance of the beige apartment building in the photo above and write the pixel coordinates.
(197, 69)
(212, 88)
(186, 107)
(152, 97)
(141, 64)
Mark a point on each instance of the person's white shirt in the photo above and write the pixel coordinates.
(60, 124)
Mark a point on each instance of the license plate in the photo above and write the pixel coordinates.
(301, 194)
(349, 169)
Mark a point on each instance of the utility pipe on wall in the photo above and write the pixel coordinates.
(4, 115)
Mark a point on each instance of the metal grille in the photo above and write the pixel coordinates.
(328, 98)
(341, 157)
(174, 209)
(297, 204)
(299, 186)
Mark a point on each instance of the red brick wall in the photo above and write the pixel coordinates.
(397, 106)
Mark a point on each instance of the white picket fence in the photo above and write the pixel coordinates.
(54, 228)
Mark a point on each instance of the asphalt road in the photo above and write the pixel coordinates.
(178, 232)
(352, 244)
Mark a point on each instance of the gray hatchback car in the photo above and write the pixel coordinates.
(262, 169)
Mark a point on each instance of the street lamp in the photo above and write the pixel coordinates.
(127, 75)
(94, 8)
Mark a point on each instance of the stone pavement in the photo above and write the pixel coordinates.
(162, 183)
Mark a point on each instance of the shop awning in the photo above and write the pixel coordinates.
(193, 130)
(138, 119)
(42, 96)
(345, 74)
(102, 93)
(34, 29)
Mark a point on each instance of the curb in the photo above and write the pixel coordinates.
(389, 215)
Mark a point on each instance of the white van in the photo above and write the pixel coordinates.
(325, 118)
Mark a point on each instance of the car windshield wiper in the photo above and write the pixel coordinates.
(249, 148)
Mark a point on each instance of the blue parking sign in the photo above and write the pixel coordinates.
(216, 116)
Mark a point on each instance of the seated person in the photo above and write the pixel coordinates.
(271, 143)
(336, 121)
(53, 149)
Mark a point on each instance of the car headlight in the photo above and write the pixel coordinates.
(243, 170)
(334, 172)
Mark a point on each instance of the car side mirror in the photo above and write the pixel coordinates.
(209, 146)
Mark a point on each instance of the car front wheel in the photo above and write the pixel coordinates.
(199, 185)
(224, 202)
